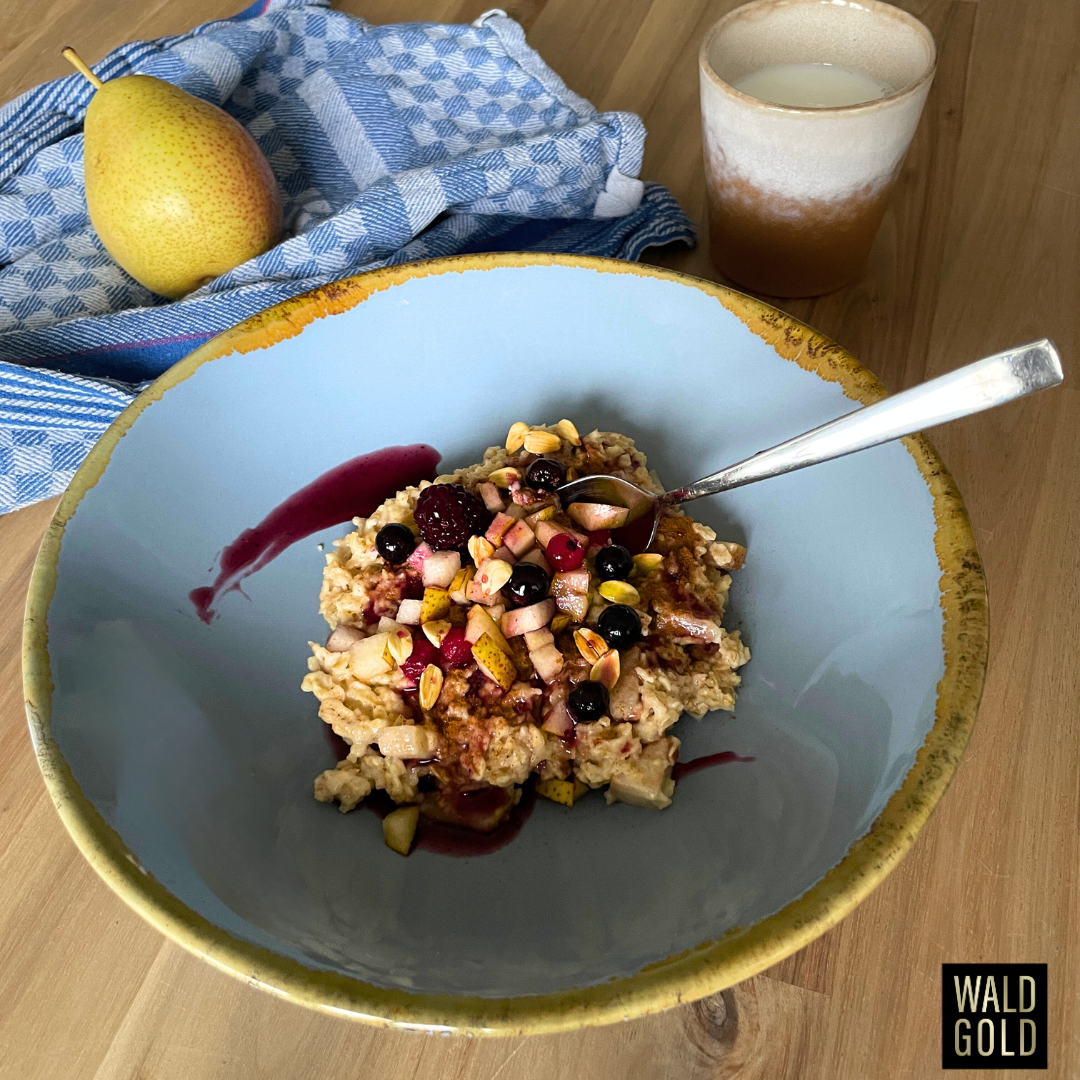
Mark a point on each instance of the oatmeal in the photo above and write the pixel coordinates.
(481, 633)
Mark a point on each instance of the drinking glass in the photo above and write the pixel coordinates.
(796, 193)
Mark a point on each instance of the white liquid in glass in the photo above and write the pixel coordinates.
(811, 86)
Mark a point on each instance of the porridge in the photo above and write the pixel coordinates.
(482, 634)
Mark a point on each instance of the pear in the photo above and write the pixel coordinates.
(178, 191)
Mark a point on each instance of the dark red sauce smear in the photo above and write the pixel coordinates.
(685, 768)
(355, 488)
(453, 840)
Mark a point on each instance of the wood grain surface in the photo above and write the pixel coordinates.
(980, 250)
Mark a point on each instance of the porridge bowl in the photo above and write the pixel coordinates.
(177, 589)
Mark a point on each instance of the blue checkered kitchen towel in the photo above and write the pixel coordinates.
(390, 144)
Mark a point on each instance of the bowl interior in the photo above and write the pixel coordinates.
(197, 746)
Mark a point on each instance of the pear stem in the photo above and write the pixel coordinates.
(76, 62)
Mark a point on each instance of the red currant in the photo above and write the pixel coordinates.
(564, 552)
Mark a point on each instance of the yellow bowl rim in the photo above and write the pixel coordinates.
(709, 967)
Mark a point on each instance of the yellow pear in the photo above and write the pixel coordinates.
(178, 191)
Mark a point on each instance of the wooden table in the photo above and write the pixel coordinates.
(980, 250)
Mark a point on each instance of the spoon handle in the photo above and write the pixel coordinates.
(1003, 377)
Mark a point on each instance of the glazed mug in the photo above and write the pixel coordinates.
(796, 194)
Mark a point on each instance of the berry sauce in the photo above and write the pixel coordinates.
(452, 840)
(355, 488)
(685, 768)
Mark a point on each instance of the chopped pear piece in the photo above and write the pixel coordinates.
(399, 828)
(479, 623)
(436, 605)
(493, 662)
(560, 791)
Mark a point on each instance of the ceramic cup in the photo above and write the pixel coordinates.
(796, 195)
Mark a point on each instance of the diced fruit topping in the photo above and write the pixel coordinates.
(620, 626)
(532, 520)
(520, 538)
(545, 474)
(526, 619)
(460, 585)
(588, 701)
(435, 605)
(593, 516)
(366, 657)
(480, 623)
(492, 499)
(343, 638)
(456, 649)
(505, 554)
(408, 612)
(570, 433)
(399, 828)
(537, 556)
(565, 551)
(436, 630)
(395, 542)
(614, 563)
(423, 653)
(498, 528)
(558, 721)
(440, 569)
(560, 791)
(417, 559)
(448, 515)
(493, 662)
(560, 623)
(515, 437)
(606, 670)
(528, 584)
(548, 662)
(619, 592)
(537, 639)
(541, 442)
(590, 644)
(474, 594)
(431, 680)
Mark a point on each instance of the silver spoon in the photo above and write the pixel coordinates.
(1001, 378)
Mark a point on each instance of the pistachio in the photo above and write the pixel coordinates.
(619, 592)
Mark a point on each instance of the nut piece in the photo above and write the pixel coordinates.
(503, 478)
(436, 630)
(570, 433)
(515, 437)
(618, 592)
(646, 564)
(493, 575)
(590, 644)
(542, 442)
(480, 549)
(606, 670)
(560, 622)
(400, 646)
(430, 686)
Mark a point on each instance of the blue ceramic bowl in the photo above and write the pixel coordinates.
(181, 755)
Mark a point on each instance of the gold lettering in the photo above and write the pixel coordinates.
(1005, 994)
(991, 991)
(1004, 1051)
(979, 1037)
(965, 995)
(1023, 1024)
(966, 1052)
(1031, 982)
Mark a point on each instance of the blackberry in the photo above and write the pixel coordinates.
(448, 515)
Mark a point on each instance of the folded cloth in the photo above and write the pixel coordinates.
(390, 144)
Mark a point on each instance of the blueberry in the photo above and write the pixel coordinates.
(528, 584)
(614, 563)
(588, 702)
(395, 542)
(544, 474)
(619, 626)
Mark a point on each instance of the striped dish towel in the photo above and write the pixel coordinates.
(390, 144)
